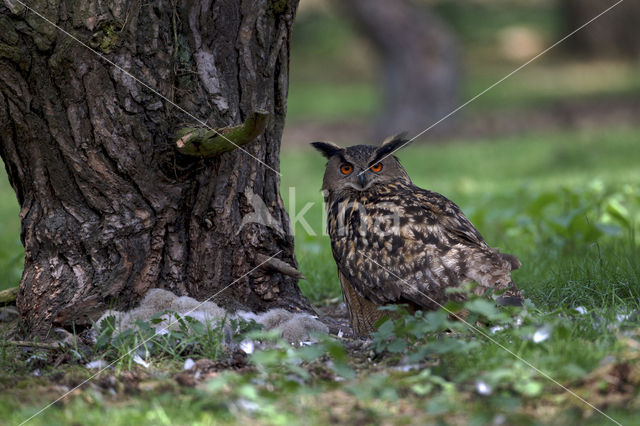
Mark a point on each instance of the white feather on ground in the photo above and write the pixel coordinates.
(294, 327)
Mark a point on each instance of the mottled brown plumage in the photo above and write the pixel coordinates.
(394, 242)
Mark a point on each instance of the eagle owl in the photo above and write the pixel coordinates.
(394, 242)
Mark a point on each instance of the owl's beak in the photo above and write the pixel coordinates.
(363, 180)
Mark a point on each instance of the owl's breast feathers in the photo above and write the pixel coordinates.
(399, 243)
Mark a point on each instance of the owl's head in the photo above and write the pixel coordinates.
(360, 167)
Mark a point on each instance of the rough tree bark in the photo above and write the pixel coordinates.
(420, 66)
(109, 206)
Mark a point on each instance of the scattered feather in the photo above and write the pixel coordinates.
(293, 327)
(97, 364)
(247, 346)
(622, 317)
(483, 388)
(138, 360)
(189, 363)
(246, 405)
(496, 328)
(408, 367)
(541, 334)
(37, 357)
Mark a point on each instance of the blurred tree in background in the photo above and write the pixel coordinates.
(615, 33)
(419, 64)
(363, 68)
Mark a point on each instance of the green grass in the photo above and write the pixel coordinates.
(548, 82)
(332, 101)
(93, 409)
(11, 251)
(495, 182)
(566, 203)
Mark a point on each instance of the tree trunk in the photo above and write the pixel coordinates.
(613, 34)
(109, 206)
(420, 67)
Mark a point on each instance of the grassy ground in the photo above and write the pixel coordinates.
(567, 204)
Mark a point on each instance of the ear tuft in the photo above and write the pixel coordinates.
(328, 149)
(394, 138)
(391, 144)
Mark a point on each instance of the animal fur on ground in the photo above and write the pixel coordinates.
(293, 327)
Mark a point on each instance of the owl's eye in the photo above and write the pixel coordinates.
(346, 168)
(377, 168)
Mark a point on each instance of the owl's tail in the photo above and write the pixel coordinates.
(495, 273)
(513, 261)
(513, 296)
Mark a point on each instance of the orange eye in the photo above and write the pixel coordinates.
(377, 168)
(346, 168)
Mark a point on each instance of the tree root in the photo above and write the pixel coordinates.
(39, 345)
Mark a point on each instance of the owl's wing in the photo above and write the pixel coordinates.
(451, 218)
(448, 215)
(419, 263)
(382, 283)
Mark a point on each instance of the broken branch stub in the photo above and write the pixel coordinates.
(204, 142)
(277, 265)
(8, 296)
